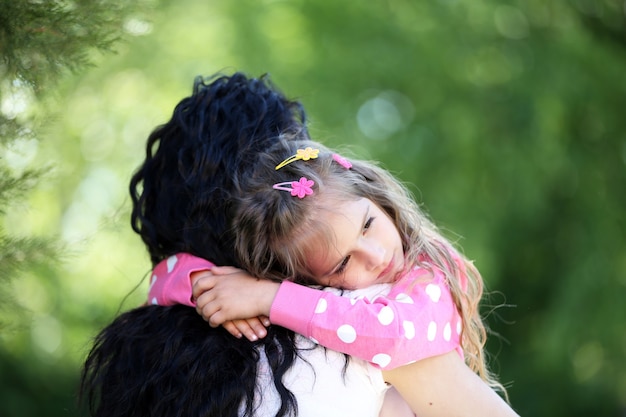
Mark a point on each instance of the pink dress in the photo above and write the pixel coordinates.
(386, 325)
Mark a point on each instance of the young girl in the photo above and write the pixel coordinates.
(316, 218)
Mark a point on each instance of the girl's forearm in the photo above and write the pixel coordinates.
(443, 386)
(416, 320)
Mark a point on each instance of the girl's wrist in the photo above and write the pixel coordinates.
(269, 291)
(293, 306)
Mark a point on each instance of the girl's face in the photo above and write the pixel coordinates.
(364, 249)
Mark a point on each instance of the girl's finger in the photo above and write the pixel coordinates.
(247, 330)
(255, 328)
(265, 320)
(207, 308)
(232, 329)
(203, 285)
(225, 270)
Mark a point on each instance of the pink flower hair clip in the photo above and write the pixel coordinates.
(300, 188)
(304, 154)
(342, 161)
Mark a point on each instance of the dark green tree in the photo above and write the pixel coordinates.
(41, 44)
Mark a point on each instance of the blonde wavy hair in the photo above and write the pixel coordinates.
(274, 230)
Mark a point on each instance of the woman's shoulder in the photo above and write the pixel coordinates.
(329, 383)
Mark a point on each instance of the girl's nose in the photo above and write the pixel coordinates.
(375, 254)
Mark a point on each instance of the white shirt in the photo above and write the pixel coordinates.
(320, 385)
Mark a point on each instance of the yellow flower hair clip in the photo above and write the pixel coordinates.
(304, 154)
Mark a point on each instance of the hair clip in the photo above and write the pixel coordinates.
(299, 189)
(342, 161)
(304, 154)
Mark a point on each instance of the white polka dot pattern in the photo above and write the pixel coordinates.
(412, 320)
(170, 282)
(434, 292)
(404, 298)
(447, 332)
(346, 333)
(381, 359)
(409, 321)
(409, 329)
(390, 326)
(432, 331)
(321, 307)
(386, 316)
(171, 263)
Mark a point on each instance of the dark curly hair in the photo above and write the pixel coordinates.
(166, 361)
(182, 194)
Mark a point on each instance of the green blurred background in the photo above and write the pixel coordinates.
(507, 118)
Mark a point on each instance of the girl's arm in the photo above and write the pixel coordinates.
(171, 283)
(443, 386)
(394, 405)
(417, 319)
(438, 386)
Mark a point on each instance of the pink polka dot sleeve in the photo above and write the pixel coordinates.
(417, 319)
(170, 283)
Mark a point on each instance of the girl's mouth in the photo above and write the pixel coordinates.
(386, 271)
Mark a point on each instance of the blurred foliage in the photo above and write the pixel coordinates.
(41, 42)
(506, 117)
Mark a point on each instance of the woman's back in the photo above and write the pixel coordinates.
(166, 361)
(324, 384)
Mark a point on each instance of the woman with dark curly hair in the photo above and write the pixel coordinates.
(166, 361)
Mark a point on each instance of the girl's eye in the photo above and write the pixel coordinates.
(342, 266)
(368, 223)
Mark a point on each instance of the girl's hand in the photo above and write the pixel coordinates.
(227, 294)
(253, 329)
